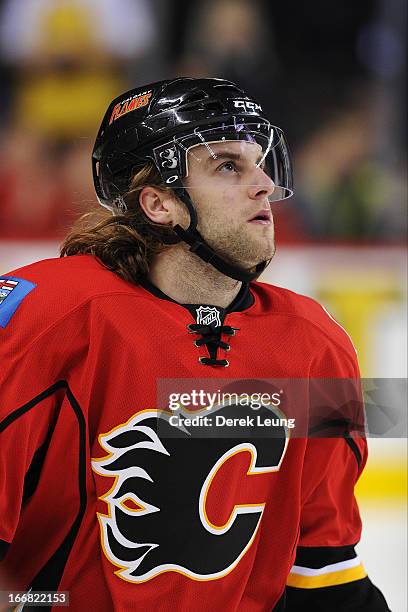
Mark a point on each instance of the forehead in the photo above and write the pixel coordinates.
(204, 155)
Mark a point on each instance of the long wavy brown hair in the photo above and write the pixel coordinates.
(127, 242)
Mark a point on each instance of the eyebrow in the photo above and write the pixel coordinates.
(225, 154)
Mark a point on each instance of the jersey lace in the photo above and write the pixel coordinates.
(212, 339)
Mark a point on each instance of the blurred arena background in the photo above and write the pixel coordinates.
(331, 74)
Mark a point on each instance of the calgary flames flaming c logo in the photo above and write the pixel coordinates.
(158, 519)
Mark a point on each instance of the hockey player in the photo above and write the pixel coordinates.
(101, 496)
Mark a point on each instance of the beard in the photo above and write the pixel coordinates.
(244, 245)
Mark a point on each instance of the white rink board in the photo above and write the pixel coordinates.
(383, 551)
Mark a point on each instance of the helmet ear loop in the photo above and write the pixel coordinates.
(191, 234)
(184, 196)
(186, 199)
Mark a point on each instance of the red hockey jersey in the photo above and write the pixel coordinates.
(96, 500)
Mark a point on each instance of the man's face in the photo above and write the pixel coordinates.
(230, 191)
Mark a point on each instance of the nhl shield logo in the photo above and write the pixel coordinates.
(208, 315)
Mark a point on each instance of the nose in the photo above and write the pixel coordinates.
(262, 186)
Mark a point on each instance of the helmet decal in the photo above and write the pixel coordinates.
(130, 104)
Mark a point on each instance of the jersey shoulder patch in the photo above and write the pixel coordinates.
(13, 290)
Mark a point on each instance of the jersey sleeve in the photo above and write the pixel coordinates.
(35, 363)
(327, 573)
(25, 431)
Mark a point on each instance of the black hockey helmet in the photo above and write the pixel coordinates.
(160, 123)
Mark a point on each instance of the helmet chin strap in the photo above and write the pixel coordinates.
(199, 247)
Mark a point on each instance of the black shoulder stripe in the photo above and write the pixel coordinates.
(32, 476)
(4, 546)
(50, 575)
(357, 596)
(337, 428)
(352, 444)
(320, 556)
(61, 384)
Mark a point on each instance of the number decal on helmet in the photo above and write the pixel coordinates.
(169, 159)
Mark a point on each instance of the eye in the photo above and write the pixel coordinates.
(228, 166)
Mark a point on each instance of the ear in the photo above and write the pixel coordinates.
(158, 205)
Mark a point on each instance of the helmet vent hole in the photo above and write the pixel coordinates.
(161, 124)
(226, 87)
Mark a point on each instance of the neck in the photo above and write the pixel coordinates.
(185, 278)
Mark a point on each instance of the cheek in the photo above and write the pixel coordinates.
(215, 207)
(228, 205)
(228, 200)
(209, 202)
(224, 211)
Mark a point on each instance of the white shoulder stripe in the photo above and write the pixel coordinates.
(328, 569)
